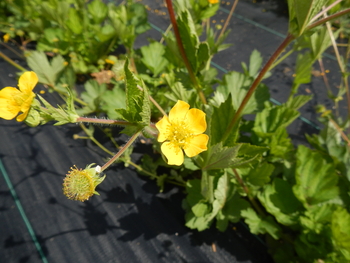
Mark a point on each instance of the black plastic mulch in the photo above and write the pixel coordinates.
(130, 221)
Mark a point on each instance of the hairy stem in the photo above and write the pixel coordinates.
(121, 151)
(104, 121)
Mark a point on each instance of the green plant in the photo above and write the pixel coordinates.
(297, 197)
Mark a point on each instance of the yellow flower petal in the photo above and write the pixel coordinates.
(196, 120)
(173, 153)
(196, 145)
(9, 93)
(27, 81)
(25, 107)
(7, 110)
(162, 127)
(179, 111)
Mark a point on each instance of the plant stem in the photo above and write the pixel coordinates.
(342, 134)
(281, 59)
(13, 50)
(340, 63)
(16, 65)
(155, 103)
(121, 151)
(103, 121)
(246, 190)
(92, 138)
(325, 10)
(328, 18)
(228, 18)
(183, 52)
(256, 82)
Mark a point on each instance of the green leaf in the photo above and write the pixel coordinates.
(47, 72)
(92, 96)
(113, 99)
(219, 157)
(341, 231)
(298, 101)
(138, 109)
(255, 63)
(259, 174)
(62, 116)
(238, 84)
(317, 218)
(153, 57)
(279, 200)
(316, 180)
(203, 55)
(320, 41)
(98, 10)
(303, 68)
(301, 12)
(219, 123)
(189, 38)
(231, 212)
(270, 120)
(74, 22)
(259, 225)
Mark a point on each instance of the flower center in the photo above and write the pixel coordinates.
(179, 133)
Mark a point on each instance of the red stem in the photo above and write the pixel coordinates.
(182, 50)
(256, 82)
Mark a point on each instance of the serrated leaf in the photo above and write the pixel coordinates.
(98, 10)
(271, 119)
(279, 200)
(316, 180)
(138, 109)
(189, 38)
(298, 101)
(251, 150)
(74, 22)
(219, 157)
(259, 174)
(341, 231)
(153, 57)
(47, 72)
(317, 218)
(220, 121)
(203, 54)
(237, 84)
(258, 225)
(231, 212)
(92, 96)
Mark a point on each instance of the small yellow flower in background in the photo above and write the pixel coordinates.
(14, 101)
(6, 37)
(213, 1)
(80, 184)
(109, 61)
(182, 131)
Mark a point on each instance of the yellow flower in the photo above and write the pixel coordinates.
(14, 101)
(6, 37)
(213, 1)
(182, 131)
(109, 61)
(80, 184)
